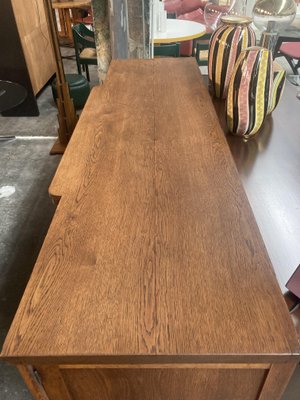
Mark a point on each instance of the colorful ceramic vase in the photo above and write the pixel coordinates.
(249, 91)
(278, 85)
(226, 44)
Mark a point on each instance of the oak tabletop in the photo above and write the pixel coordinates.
(71, 4)
(153, 252)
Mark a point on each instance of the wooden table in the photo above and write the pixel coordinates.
(153, 281)
(64, 8)
(179, 31)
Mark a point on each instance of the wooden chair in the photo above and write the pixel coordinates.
(201, 54)
(166, 50)
(85, 48)
(291, 52)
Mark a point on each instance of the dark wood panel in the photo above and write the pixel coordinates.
(268, 166)
(12, 61)
(162, 384)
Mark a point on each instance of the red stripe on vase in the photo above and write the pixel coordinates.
(243, 94)
(232, 58)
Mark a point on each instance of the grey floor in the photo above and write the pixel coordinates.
(25, 215)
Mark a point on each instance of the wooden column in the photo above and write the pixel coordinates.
(138, 28)
(122, 30)
(67, 117)
(119, 29)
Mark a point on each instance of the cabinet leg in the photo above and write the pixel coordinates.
(53, 382)
(31, 379)
(277, 381)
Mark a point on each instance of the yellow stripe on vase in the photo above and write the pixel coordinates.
(278, 86)
(229, 100)
(260, 111)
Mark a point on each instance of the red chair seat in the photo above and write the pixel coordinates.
(291, 49)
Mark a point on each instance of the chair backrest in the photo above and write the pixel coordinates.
(167, 50)
(83, 37)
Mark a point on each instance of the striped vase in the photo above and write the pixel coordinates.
(278, 85)
(249, 91)
(226, 44)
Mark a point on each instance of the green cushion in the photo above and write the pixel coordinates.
(79, 89)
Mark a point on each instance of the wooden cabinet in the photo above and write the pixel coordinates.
(33, 31)
(26, 51)
(153, 281)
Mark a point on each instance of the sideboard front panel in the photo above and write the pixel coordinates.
(163, 383)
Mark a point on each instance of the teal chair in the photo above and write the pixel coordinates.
(85, 48)
(202, 45)
(166, 50)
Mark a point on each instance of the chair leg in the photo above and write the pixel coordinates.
(87, 72)
(79, 67)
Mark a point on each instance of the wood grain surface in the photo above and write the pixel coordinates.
(36, 42)
(71, 4)
(132, 384)
(153, 252)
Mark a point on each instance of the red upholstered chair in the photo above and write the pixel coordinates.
(190, 10)
(291, 51)
(183, 6)
(84, 16)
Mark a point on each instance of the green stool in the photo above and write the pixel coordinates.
(79, 89)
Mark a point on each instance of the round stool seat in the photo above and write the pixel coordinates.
(11, 95)
(79, 89)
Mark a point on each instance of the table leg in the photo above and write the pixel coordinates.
(62, 31)
(68, 25)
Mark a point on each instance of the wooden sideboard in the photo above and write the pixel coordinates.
(153, 281)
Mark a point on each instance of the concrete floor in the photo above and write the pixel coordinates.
(25, 216)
